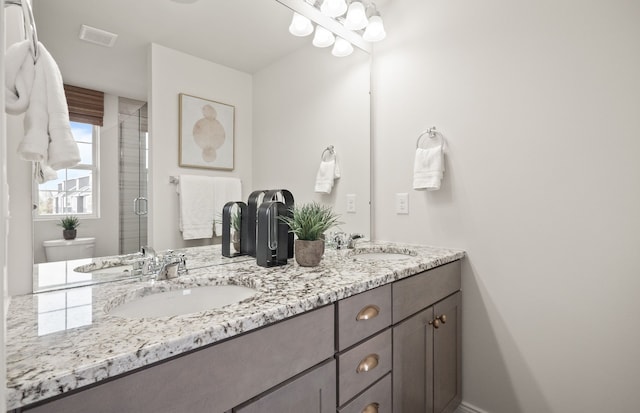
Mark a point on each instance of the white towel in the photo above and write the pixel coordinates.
(328, 172)
(19, 75)
(428, 168)
(63, 149)
(37, 90)
(201, 201)
(43, 173)
(224, 190)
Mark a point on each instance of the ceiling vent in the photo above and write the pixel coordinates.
(97, 36)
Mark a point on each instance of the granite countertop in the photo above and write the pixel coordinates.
(63, 340)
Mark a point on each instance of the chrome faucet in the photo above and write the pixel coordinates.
(353, 238)
(342, 240)
(172, 266)
(162, 267)
(150, 262)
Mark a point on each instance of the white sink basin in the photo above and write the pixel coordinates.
(178, 302)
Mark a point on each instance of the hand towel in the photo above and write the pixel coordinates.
(202, 199)
(428, 168)
(224, 190)
(63, 150)
(43, 173)
(37, 90)
(19, 75)
(34, 146)
(328, 172)
(196, 206)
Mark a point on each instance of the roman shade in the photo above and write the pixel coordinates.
(85, 105)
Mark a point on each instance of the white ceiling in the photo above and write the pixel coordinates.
(243, 34)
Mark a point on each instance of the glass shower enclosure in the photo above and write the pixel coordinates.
(134, 170)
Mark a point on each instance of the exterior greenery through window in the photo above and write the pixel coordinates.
(74, 191)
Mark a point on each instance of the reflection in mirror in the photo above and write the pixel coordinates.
(297, 100)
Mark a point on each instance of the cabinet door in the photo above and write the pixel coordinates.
(413, 364)
(311, 392)
(446, 356)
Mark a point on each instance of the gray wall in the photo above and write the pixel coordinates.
(539, 103)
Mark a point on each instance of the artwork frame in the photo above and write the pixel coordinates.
(206, 133)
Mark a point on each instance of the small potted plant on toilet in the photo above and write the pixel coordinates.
(69, 225)
(309, 223)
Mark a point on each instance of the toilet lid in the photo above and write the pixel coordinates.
(63, 242)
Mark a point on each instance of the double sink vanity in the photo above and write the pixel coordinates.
(374, 329)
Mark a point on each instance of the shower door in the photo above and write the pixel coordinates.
(134, 161)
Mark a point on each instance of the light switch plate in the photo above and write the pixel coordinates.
(351, 203)
(402, 203)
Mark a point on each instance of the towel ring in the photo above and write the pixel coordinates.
(331, 151)
(432, 132)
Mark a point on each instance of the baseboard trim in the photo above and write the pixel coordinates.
(469, 408)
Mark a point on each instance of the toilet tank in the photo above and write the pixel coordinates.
(63, 250)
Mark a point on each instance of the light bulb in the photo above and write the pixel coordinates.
(333, 8)
(300, 25)
(356, 16)
(341, 48)
(375, 30)
(323, 37)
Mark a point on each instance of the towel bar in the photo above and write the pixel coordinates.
(29, 22)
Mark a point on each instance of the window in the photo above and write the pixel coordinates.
(75, 190)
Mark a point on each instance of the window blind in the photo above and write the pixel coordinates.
(85, 105)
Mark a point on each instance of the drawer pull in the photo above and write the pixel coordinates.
(371, 408)
(368, 363)
(368, 312)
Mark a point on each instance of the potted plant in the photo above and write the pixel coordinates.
(309, 222)
(69, 225)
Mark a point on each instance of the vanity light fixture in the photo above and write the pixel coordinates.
(358, 24)
(375, 29)
(300, 26)
(342, 48)
(333, 8)
(356, 16)
(323, 37)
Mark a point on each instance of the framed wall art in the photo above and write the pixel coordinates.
(206, 133)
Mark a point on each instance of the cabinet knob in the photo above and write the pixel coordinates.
(443, 318)
(368, 312)
(368, 363)
(371, 408)
(435, 323)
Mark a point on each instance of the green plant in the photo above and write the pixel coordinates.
(69, 222)
(310, 221)
(236, 220)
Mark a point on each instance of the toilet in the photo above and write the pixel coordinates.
(63, 250)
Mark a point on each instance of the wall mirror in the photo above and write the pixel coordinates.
(298, 104)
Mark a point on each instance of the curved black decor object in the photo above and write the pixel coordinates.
(272, 245)
(252, 219)
(287, 197)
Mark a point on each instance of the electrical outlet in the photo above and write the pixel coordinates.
(351, 203)
(402, 203)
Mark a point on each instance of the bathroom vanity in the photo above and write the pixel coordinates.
(375, 329)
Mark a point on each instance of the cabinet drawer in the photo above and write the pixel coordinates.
(376, 399)
(363, 315)
(312, 392)
(363, 365)
(422, 290)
